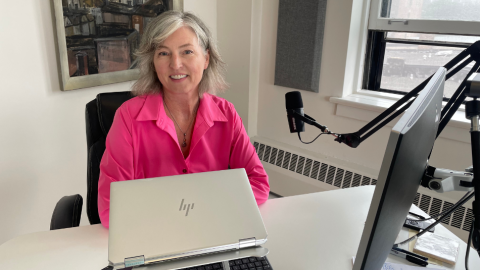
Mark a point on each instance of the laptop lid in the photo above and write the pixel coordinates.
(158, 219)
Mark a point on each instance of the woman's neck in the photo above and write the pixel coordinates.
(181, 105)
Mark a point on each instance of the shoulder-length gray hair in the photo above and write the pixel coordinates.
(157, 31)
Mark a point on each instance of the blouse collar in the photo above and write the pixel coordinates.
(153, 109)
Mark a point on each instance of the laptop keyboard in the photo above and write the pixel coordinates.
(250, 263)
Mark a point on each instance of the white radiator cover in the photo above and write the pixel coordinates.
(294, 173)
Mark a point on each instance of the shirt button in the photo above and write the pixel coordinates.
(184, 170)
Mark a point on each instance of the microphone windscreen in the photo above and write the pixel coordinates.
(293, 100)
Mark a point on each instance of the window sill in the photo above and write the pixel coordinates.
(366, 105)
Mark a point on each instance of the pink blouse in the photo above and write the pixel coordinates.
(142, 143)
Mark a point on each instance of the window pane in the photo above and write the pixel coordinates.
(405, 66)
(433, 37)
(457, 10)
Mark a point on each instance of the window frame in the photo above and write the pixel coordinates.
(375, 56)
(376, 41)
(448, 27)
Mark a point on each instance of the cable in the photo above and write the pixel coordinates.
(430, 226)
(469, 243)
(465, 197)
(300, 138)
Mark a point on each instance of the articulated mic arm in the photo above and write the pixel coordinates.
(468, 55)
(442, 180)
(438, 179)
(459, 62)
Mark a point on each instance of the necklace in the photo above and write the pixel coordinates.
(184, 144)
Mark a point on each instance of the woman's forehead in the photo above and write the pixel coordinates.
(182, 37)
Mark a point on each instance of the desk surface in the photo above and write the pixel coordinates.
(313, 231)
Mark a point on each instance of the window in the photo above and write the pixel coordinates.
(409, 39)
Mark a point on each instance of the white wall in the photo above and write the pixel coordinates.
(43, 153)
(234, 20)
(206, 10)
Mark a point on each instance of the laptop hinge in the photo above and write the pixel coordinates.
(247, 242)
(134, 261)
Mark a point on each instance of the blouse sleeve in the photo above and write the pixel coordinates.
(243, 155)
(117, 160)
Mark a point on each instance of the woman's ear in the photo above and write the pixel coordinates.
(207, 59)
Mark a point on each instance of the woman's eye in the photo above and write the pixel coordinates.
(188, 52)
(163, 53)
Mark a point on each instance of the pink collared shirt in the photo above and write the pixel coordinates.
(142, 143)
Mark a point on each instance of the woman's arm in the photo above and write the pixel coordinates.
(243, 155)
(117, 160)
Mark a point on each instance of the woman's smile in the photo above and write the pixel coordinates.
(178, 77)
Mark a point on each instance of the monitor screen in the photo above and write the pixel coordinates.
(408, 148)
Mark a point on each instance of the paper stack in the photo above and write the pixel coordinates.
(438, 247)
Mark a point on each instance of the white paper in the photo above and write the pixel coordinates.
(439, 247)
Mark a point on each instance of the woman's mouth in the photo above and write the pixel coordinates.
(178, 77)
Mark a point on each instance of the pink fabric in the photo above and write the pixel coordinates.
(142, 143)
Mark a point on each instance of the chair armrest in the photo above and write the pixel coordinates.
(67, 212)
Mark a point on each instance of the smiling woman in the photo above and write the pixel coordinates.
(175, 125)
(155, 35)
(180, 61)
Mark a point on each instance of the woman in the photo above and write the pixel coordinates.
(175, 124)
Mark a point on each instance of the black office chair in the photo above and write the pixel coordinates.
(99, 115)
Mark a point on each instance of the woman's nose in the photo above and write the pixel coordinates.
(175, 61)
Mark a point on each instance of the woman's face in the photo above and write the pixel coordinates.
(180, 62)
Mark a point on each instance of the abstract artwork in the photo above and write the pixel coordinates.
(97, 38)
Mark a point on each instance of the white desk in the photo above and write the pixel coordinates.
(313, 231)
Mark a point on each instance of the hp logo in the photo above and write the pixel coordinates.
(185, 206)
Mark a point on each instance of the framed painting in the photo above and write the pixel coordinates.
(97, 38)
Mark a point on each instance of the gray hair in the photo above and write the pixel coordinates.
(157, 31)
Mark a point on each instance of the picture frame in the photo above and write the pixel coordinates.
(96, 38)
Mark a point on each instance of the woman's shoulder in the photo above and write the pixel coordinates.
(224, 105)
(134, 105)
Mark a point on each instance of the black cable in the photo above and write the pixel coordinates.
(300, 138)
(450, 211)
(469, 243)
(465, 197)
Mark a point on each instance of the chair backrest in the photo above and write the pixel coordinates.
(99, 115)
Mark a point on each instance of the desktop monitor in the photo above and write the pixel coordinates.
(409, 146)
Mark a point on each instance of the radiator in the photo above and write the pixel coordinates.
(459, 221)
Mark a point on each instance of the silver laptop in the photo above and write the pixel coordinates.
(161, 219)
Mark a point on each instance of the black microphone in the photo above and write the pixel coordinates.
(297, 119)
(294, 104)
